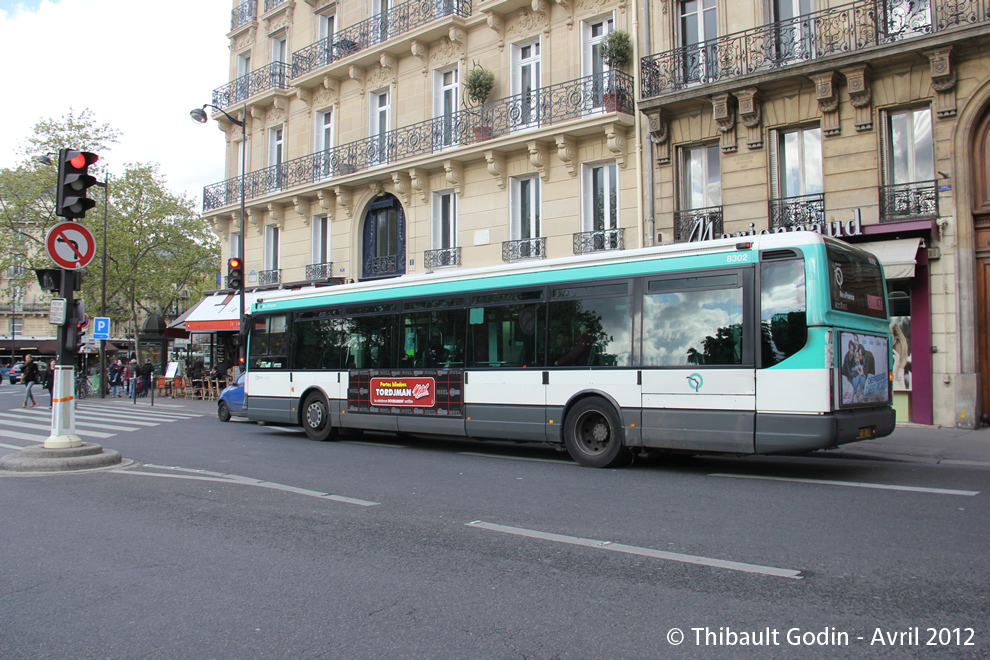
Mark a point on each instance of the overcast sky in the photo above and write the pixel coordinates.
(152, 62)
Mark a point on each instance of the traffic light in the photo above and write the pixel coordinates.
(73, 182)
(75, 327)
(235, 273)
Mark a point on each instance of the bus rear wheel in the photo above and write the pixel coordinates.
(593, 435)
(316, 418)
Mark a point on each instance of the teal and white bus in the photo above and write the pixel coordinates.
(754, 345)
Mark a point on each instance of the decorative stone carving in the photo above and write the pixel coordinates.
(455, 174)
(567, 152)
(457, 36)
(421, 52)
(306, 96)
(357, 73)
(827, 93)
(724, 111)
(401, 185)
(615, 139)
(659, 131)
(496, 23)
(751, 115)
(302, 206)
(538, 158)
(328, 201)
(496, 167)
(420, 182)
(245, 40)
(568, 6)
(443, 52)
(943, 81)
(859, 85)
(256, 218)
(528, 22)
(344, 199)
(221, 226)
(277, 214)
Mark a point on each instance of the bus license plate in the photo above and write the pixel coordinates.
(866, 432)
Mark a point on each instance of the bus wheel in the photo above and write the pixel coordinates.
(593, 435)
(316, 418)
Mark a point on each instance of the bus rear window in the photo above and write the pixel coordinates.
(855, 282)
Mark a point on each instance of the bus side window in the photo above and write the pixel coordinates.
(506, 336)
(783, 311)
(594, 331)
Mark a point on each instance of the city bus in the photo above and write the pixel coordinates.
(751, 345)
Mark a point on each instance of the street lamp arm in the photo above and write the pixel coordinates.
(199, 114)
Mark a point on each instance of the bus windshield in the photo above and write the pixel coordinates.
(856, 281)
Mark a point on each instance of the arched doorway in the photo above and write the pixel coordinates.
(384, 245)
(981, 227)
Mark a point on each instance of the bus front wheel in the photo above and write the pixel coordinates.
(593, 435)
(316, 418)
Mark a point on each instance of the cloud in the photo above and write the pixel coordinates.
(139, 66)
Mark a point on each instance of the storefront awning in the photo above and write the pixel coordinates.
(221, 312)
(898, 256)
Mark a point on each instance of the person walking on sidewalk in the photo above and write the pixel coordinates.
(29, 376)
(147, 370)
(115, 374)
(49, 383)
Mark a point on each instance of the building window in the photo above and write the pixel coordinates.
(445, 103)
(271, 247)
(326, 26)
(908, 158)
(699, 30)
(793, 31)
(796, 180)
(235, 248)
(322, 143)
(444, 220)
(275, 158)
(701, 177)
(321, 239)
(381, 109)
(16, 326)
(601, 197)
(593, 33)
(526, 85)
(384, 239)
(525, 211)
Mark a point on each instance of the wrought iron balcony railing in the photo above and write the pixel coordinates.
(908, 201)
(601, 240)
(243, 13)
(319, 271)
(834, 31)
(271, 76)
(442, 258)
(787, 212)
(609, 92)
(273, 276)
(698, 224)
(272, 4)
(524, 248)
(382, 266)
(379, 28)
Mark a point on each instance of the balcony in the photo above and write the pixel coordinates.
(593, 95)
(272, 76)
(273, 276)
(322, 271)
(443, 258)
(524, 248)
(789, 212)
(243, 13)
(272, 4)
(698, 224)
(378, 29)
(909, 201)
(843, 30)
(602, 240)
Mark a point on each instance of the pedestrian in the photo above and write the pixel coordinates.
(146, 372)
(115, 374)
(29, 376)
(130, 377)
(49, 383)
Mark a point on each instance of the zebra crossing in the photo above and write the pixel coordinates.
(95, 421)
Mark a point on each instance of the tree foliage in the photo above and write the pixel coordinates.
(161, 254)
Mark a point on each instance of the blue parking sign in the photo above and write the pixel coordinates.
(101, 327)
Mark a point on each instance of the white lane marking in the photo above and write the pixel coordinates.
(15, 447)
(636, 550)
(205, 475)
(853, 484)
(24, 436)
(166, 414)
(518, 458)
(23, 424)
(119, 414)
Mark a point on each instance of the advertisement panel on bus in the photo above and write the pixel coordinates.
(863, 376)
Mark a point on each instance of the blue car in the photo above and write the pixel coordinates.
(231, 401)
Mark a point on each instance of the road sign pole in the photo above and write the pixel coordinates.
(64, 384)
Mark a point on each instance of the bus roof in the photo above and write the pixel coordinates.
(534, 272)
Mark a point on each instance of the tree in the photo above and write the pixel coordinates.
(157, 246)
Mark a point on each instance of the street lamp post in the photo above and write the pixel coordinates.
(105, 184)
(199, 116)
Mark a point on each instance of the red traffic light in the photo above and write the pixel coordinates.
(82, 159)
(234, 262)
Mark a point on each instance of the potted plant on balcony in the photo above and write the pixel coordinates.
(479, 84)
(616, 50)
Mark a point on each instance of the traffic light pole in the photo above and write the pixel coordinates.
(63, 385)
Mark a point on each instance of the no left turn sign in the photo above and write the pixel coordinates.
(70, 245)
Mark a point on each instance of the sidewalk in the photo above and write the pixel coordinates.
(924, 444)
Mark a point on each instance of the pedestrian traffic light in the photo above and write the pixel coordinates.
(75, 327)
(73, 182)
(235, 273)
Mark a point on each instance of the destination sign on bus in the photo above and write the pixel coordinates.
(420, 392)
